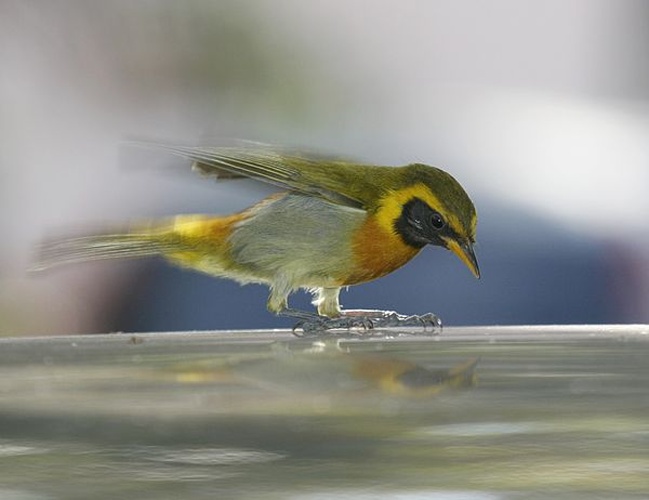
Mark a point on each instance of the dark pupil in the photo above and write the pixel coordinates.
(436, 221)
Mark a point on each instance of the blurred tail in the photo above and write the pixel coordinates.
(110, 246)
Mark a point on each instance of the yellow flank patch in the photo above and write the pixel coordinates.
(193, 226)
(200, 240)
(392, 204)
(205, 228)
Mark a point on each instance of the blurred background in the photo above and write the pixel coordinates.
(540, 109)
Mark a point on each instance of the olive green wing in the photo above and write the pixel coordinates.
(341, 182)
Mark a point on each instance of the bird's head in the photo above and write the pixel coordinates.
(427, 206)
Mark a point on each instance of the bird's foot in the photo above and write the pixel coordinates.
(363, 323)
(391, 319)
(319, 325)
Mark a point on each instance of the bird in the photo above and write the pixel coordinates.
(335, 223)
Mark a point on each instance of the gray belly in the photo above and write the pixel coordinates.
(305, 240)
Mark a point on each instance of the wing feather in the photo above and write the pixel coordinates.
(295, 171)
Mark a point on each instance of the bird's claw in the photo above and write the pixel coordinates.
(395, 320)
(323, 325)
(366, 325)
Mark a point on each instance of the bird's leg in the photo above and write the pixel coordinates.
(329, 315)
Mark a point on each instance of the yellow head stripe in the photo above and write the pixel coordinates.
(391, 206)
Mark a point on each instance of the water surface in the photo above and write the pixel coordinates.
(475, 413)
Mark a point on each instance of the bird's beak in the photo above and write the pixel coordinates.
(465, 253)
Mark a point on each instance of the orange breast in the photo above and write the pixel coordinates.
(377, 252)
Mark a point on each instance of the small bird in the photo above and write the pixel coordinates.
(335, 224)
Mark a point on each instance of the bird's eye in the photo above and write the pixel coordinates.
(437, 221)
